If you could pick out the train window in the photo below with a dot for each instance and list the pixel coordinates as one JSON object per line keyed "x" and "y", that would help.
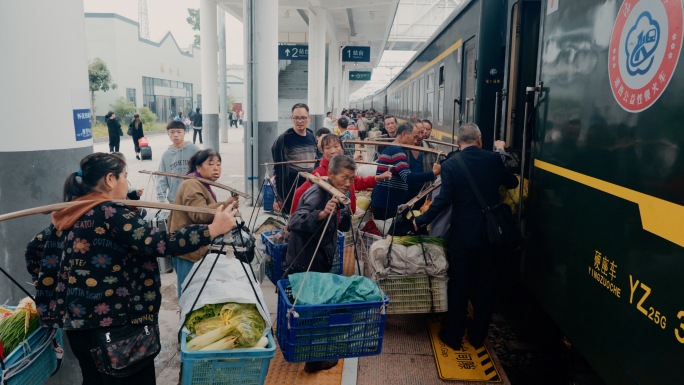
{"x": 421, "y": 96}
{"x": 441, "y": 75}
{"x": 430, "y": 95}
{"x": 440, "y": 106}
{"x": 410, "y": 99}
{"x": 440, "y": 96}
{"x": 416, "y": 110}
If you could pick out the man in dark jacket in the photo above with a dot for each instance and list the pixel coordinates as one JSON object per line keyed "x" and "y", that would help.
{"x": 473, "y": 262}
{"x": 307, "y": 226}
{"x": 296, "y": 143}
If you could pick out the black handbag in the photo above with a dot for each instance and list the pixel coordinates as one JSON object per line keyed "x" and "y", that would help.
{"x": 130, "y": 131}
{"x": 501, "y": 229}
{"x": 123, "y": 350}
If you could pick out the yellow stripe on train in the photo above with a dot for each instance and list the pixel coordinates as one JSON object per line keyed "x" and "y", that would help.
{"x": 660, "y": 217}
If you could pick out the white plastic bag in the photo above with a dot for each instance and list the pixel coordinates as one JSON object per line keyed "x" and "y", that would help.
{"x": 227, "y": 283}
{"x": 405, "y": 260}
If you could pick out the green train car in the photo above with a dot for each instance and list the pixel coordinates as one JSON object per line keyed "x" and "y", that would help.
{"x": 590, "y": 97}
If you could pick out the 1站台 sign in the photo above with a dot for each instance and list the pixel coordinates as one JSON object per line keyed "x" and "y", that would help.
{"x": 293, "y": 52}
{"x": 356, "y": 54}
{"x": 359, "y": 75}
{"x": 643, "y": 52}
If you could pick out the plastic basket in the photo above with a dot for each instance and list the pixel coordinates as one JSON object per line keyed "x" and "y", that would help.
{"x": 331, "y": 331}
{"x": 415, "y": 294}
{"x": 229, "y": 367}
{"x": 364, "y": 241}
{"x": 277, "y": 264}
{"x": 35, "y": 363}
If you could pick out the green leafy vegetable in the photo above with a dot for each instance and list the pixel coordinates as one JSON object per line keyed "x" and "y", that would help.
{"x": 244, "y": 324}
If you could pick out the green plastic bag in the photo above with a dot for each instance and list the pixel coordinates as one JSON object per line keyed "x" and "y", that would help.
{"x": 327, "y": 288}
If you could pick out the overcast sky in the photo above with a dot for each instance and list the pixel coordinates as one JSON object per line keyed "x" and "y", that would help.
{"x": 170, "y": 15}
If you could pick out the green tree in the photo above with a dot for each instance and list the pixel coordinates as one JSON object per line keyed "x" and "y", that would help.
{"x": 148, "y": 117}
{"x": 194, "y": 20}
{"x": 100, "y": 79}
{"x": 230, "y": 101}
{"x": 122, "y": 108}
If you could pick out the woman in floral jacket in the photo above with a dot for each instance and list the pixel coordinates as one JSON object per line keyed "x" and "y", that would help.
{"x": 95, "y": 266}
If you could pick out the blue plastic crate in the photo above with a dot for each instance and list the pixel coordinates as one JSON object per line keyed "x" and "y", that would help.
{"x": 331, "y": 331}
{"x": 35, "y": 363}
{"x": 278, "y": 252}
{"x": 226, "y": 367}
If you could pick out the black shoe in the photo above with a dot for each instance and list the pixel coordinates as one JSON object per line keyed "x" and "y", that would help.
{"x": 452, "y": 342}
{"x": 137, "y": 156}
{"x": 317, "y": 366}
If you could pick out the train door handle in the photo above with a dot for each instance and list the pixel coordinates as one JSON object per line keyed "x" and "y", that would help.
{"x": 468, "y": 103}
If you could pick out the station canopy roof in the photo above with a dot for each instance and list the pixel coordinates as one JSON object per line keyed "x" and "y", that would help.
{"x": 394, "y": 29}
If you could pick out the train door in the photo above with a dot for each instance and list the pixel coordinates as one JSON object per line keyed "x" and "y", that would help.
{"x": 468, "y": 85}
{"x": 522, "y": 74}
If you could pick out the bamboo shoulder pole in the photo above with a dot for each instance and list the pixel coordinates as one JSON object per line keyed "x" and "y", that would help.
{"x": 327, "y": 187}
{"x": 406, "y": 146}
{"x": 420, "y": 196}
{"x": 207, "y": 181}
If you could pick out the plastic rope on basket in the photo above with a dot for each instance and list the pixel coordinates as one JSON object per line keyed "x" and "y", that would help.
{"x": 291, "y": 311}
{"x": 30, "y": 356}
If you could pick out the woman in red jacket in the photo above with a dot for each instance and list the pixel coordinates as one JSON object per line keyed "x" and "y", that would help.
{"x": 332, "y": 145}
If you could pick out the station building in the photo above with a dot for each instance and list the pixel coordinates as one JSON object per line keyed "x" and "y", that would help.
{"x": 161, "y": 76}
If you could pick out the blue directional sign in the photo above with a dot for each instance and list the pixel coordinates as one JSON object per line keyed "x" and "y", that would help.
{"x": 359, "y": 75}
{"x": 356, "y": 53}
{"x": 293, "y": 52}
{"x": 82, "y": 124}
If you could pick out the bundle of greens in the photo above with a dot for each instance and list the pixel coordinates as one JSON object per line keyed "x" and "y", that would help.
{"x": 226, "y": 326}
{"x": 410, "y": 240}
{"x": 17, "y": 326}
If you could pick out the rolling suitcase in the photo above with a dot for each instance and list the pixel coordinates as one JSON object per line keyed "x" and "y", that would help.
{"x": 146, "y": 153}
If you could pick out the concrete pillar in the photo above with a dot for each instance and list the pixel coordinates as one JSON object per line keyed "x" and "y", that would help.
{"x": 317, "y": 27}
{"x": 210, "y": 100}
{"x": 334, "y": 79}
{"x": 344, "y": 89}
{"x": 223, "y": 98}
{"x": 47, "y": 131}
{"x": 261, "y": 127}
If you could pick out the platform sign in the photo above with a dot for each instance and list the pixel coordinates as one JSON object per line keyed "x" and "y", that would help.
{"x": 356, "y": 53}
{"x": 359, "y": 75}
{"x": 82, "y": 124}
{"x": 293, "y": 52}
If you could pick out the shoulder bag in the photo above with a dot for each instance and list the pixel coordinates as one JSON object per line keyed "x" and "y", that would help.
{"x": 500, "y": 225}
{"x": 123, "y": 350}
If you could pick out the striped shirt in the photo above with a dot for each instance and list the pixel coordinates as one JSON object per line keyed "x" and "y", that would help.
{"x": 390, "y": 194}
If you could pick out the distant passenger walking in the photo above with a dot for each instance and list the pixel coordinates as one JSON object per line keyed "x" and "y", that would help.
{"x": 197, "y": 125}
{"x": 233, "y": 119}
{"x": 114, "y": 131}
{"x": 136, "y": 132}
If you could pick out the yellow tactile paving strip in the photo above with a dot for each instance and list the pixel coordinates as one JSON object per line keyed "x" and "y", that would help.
{"x": 465, "y": 364}
{"x": 281, "y": 372}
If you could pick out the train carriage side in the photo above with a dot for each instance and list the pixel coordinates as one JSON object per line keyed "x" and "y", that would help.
{"x": 606, "y": 205}
{"x": 456, "y": 75}
{"x": 379, "y": 101}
